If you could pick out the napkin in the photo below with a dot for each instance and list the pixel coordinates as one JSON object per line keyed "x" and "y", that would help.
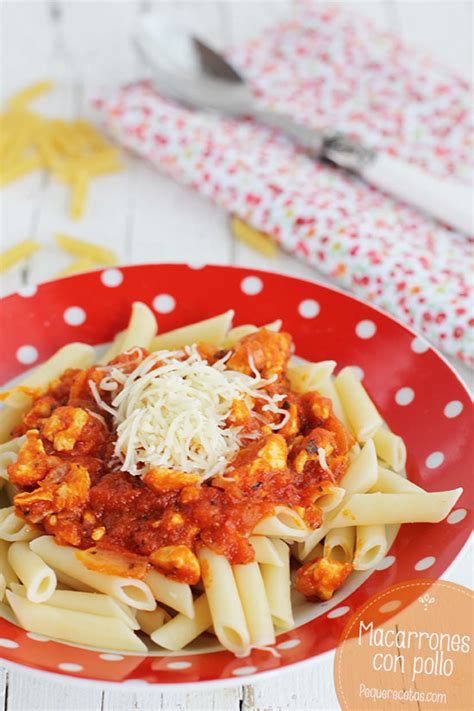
{"x": 331, "y": 67}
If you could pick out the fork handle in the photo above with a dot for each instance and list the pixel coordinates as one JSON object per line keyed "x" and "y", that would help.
{"x": 446, "y": 200}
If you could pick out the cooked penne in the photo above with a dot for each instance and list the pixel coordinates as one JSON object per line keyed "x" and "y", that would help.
{"x": 277, "y": 586}
{"x": 361, "y": 412}
{"x": 8, "y": 455}
{"x": 224, "y": 602}
{"x": 285, "y": 523}
{"x": 362, "y": 472}
{"x": 265, "y": 551}
{"x": 390, "y": 449}
{"x": 254, "y": 601}
{"x": 151, "y": 621}
{"x": 339, "y": 544}
{"x": 371, "y": 546}
{"x": 326, "y": 388}
{"x": 331, "y": 498}
{"x": 371, "y": 509}
{"x": 181, "y": 630}
{"x": 306, "y": 546}
{"x": 211, "y": 330}
{"x": 130, "y": 591}
{"x": 113, "y": 350}
{"x": 5, "y": 567}
{"x": 73, "y": 626}
{"x": 176, "y": 595}
{"x": 316, "y": 552}
{"x": 141, "y": 328}
{"x": 3, "y": 586}
{"x": 390, "y": 483}
{"x": 306, "y": 377}
{"x": 14, "y": 528}
{"x": 37, "y": 577}
{"x": 11, "y": 417}
{"x": 238, "y": 332}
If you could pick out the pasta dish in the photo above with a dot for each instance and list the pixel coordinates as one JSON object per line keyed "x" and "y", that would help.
{"x": 182, "y": 484}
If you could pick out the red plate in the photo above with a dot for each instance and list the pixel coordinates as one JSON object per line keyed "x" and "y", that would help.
{"x": 416, "y": 391}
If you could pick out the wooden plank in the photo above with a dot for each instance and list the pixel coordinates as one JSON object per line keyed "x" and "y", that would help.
{"x": 28, "y": 693}
{"x": 219, "y": 700}
{"x": 3, "y": 688}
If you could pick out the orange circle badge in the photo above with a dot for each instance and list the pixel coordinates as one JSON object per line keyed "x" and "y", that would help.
{"x": 409, "y": 647}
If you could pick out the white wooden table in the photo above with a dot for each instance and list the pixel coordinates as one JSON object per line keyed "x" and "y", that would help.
{"x": 146, "y": 217}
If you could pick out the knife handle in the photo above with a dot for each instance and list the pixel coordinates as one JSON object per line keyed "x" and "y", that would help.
{"x": 448, "y": 201}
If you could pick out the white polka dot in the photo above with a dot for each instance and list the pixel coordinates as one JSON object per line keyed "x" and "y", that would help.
{"x": 179, "y": 665}
{"x": 111, "y": 277}
{"x": 111, "y": 657}
{"x": 28, "y": 291}
{"x": 196, "y": 265}
{"x": 338, "y": 612}
{"x": 404, "y": 396}
{"x": 453, "y": 408}
{"x": 419, "y": 345}
{"x": 37, "y": 637}
{"x": 66, "y": 666}
{"x": 385, "y": 562}
{"x": 289, "y": 644}
{"x": 74, "y": 316}
{"x": 309, "y": 308}
{"x": 358, "y": 372}
{"x": 244, "y": 670}
{"x": 425, "y": 563}
{"x": 8, "y": 643}
{"x": 365, "y": 329}
{"x": 434, "y": 460}
{"x": 457, "y": 516}
{"x": 164, "y": 303}
{"x": 390, "y": 606}
{"x": 251, "y": 285}
{"x": 27, "y": 354}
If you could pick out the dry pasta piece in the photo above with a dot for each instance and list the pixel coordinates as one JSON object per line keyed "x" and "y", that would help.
{"x": 15, "y": 254}
{"x": 82, "y": 248}
{"x": 80, "y": 188}
{"x": 256, "y": 240}
{"x": 23, "y": 97}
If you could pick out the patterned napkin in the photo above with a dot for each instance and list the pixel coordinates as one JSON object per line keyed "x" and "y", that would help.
{"x": 329, "y": 67}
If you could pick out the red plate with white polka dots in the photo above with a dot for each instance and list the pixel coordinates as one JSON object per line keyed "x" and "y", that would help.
{"x": 417, "y": 392}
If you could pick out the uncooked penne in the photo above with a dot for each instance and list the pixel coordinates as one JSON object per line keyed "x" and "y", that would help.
{"x": 390, "y": 449}
{"x": 390, "y": 483}
{"x": 181, "y": 630}
{"x": 362, "y": 472}
{"x": 371, "y": 546}
{"x": 211, "y": 330}
{"x": 141, "y": 328}
{"x": 284, "y": 523}
{"x": 339, "y": 544}
{"x": 277, "y": 586}
{"x": 254, "y": 601}
{"x": 131, "y": 591}
{"x": 307, "y": 376}
{"x": 223, "y": 597}
{"x": 73, "y": 626}
{"x": 37, "y": 577}
{"x": 265, "y": 551}
{"x": 15, "y": 528}
{"x": 361, "y": 412}
{"x": 176, "y": 595}
{"x": 371, "y": 509}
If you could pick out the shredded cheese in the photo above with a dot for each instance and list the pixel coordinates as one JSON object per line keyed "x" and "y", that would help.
{"x": 322, "y": 460}
{"x": 172, "y": 411}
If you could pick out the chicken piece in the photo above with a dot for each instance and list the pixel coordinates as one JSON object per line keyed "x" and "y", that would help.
{"x": 178, "y": 562}
{"x": 32, "y": 464}
{"x": 239, "y": 414}
{"x": 271, "y": 452}
{"x": 39, "y": 413}
{"x": 307, "y": 449}
{"x": 292, "y": 426}
{"x": 65, "y": 426}
{"x": 321, "y": 577}
{"x": 315, "y": 409}
{"x": 65, "y": 488}
{"x": 269, "y": 352}
{"x": 64, "y": 527}
{"x": 161, "y": 479}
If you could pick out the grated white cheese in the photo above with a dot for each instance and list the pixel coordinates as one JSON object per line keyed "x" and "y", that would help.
{"x": 171, "y": 411}
{"x": 322, "y": 460}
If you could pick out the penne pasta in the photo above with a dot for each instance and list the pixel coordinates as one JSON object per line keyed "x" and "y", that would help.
{"x": 211, "y": 330}
{"x": 361, "y": 412}
{"x": 113, "y": 350}
{"x": 371, "y": 546}
{"x": 277, "y": 586}
{"x": 316, "y": 552}
{"x": 73, "y": 626}
{"x": 330, "y": 499}
{"x": 339, "y": 544}
{"x": 176, "y": 595}
{"x": 371, "y": 509}
{"x": 130, "y": 591}
{"x": 181, "y": 630}
{"x": 306, "y": 377}
{"x": 3, "y": 586}
{"x": 5, "y": 567}
{"x": 11, "y": 417}
{"x": 259, "y": 241}
{"x": 390, "y": 483}
{"x": 238, "y": 332}
{"x": 265, "y": 551}
{"x": 362, "y": 472}
{"x": 141, "y": 328}
{"x": 255, "y": 605}
{"x": 88, "y": 250}
{"x": 390, "y": 449}
{"x": 326, "y": 388}
{"x": 37, "y": 577}
{"x": 224, "y": 602}
{"x": 306, "y": 546}
{"x": 14, "y": 528}
{"x": 284, "y": 523}
{"x": 151, "y": 621}
{"x": 15, "y": 254}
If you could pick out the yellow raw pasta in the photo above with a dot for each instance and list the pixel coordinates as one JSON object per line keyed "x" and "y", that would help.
{"x": 15, "y": 254}
{"x": 88, "y": 250}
